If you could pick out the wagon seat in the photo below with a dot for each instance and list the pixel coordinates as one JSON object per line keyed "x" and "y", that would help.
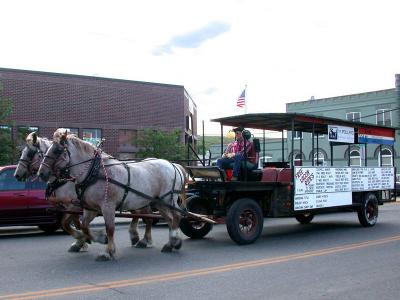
{"x": 249, "y": 169}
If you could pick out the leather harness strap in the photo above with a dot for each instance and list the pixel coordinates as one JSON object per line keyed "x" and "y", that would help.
{"x": 120, "y": 205}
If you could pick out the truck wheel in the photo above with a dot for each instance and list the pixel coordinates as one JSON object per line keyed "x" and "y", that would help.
{"x": 244, "y": 221}
{"x": 368, "y": 212}
{"x": 193, "y": 228}
{"x": 304, "y": 218}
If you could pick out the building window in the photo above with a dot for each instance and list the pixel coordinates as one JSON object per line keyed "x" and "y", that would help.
{"x": 127, "y": 140}
{"x": 189, "y": 122}
{"x": 297, "y": 159}
{"x": 5, "y": 130}
{"x": 355, "y": 158}
{"x": 72, "y": 130}
{"x": 353, "y": 116}
{"x": 319, "y": 159}
{"x": 297, "y": 135}
{"x": 92, "y": 136}
{"x": 383, "y": 117}
{"x": 387, "y": 159}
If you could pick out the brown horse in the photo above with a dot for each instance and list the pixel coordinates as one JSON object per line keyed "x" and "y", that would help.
{"x": 116, "y": 186}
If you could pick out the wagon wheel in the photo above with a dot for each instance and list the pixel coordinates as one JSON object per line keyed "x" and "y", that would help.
{"x": 368, "y": 212}
{"x": 193, "y": 228}
{"x": 304, "y": 218}
{"x": 244, "y": 221}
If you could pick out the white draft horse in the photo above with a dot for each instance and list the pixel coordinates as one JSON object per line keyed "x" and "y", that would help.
{"x": 65, "y": 194}
{"x": 28, "y": 165}
{"x": 115, "y": 185}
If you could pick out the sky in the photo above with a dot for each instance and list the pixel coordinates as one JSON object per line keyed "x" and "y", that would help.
{"x": 283, "y": 51}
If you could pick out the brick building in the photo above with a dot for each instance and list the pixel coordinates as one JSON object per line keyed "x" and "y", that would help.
{"x": 95, "y": 107}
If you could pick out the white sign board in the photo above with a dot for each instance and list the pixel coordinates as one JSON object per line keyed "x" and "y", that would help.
{"x": 341, "y": 134}
{"x": 317, "y": 187}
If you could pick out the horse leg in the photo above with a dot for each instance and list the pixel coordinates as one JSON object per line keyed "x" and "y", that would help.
{"x": 87, "y": 235}
{"x": 133, "y": 233}
{"x": 109, "y": 220}
{"x": 146, "y": 241}
{"x": 172, "y": 219}
{"x": 67, "y": 220}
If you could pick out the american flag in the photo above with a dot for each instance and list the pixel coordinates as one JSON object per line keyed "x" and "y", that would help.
{"x": 241, "y": 101}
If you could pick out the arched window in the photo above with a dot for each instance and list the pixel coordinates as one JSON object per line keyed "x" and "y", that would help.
{"x": 355, "y": 158}
{"x": 387, "y": 159}
{"x": 319, "y": 158}
{"x": 297, "y": 159}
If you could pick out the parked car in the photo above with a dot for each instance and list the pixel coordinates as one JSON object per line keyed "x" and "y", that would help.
{"x": 23, "y": 203}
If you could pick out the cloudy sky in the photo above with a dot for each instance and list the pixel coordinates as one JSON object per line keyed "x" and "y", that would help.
{"x": 284, "y": 51}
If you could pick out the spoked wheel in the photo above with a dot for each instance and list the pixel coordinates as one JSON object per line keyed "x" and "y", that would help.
{"x": 304, "y": 218}
{"x": 244, "y": 221}
{"x": 368, "y": 212}
{"x": 193, "y": 228}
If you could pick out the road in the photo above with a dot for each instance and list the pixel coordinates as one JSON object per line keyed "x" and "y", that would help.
{"x": 331, "y": 258}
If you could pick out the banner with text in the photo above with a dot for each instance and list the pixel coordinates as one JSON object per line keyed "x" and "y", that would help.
{"x": 317, "y": 187}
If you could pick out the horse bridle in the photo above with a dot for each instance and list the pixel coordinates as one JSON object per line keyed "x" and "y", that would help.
{"x": 29, "y": 163}
{"x": 64, "y": 172}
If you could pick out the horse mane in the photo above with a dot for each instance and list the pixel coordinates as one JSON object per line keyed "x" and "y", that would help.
{"x": 29, "y": 140}
{"x": 81, "y": 145}
{"x": 78, "y": 143}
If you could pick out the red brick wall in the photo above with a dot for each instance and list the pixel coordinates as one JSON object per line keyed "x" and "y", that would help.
{"x": 50, "y": 101}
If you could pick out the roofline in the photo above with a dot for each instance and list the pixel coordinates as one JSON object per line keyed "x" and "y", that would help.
{"x": 232, "y": 120}
{"x": 86, "y": 77}
{"x": 337, "y": 97}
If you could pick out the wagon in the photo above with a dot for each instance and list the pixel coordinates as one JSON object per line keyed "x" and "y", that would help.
{"x": 298, "y": 189}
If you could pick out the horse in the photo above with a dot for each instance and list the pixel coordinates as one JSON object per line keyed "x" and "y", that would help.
{"x": 65, "y": 194}
{"x": 107, "y": 185}
{"x": 28, "y": 165}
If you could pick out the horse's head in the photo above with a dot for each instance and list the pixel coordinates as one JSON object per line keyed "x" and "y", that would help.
{"x": 31, "y": 156}
{"x": 67, "y": 151}
{"x": 57, "y": 156}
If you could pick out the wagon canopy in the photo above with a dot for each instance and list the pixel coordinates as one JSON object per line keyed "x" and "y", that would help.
{"x": 305, "y": 123}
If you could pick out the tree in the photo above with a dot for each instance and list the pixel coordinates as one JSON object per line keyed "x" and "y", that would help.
{"x": 161, "y": 144}
{"x": 6, "y": 144}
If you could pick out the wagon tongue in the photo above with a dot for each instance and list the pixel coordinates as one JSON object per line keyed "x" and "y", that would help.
{"x": 200, "y": 217}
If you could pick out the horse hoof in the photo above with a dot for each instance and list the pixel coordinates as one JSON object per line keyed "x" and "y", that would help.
{"x": 74, "y": 248}
{"x": 178, "y": 245}
{"x": 134, "y": 241}
{"x": 104, "y": 257}
{"x": 166, "y": 249}
{"x": 141, "y": 244}
{"x": 84, "y": 248}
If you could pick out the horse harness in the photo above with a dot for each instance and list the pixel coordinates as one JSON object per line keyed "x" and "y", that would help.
{"x": 31, "y": 154}
{"x": 93, "y": 175}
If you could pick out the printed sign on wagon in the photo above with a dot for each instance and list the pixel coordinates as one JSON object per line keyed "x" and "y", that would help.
{"x": 340, "y": 134}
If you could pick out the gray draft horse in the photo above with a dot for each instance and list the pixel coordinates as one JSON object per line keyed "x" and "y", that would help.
{"x": 117, "y": 185}
{"x": 29, "y": 162}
